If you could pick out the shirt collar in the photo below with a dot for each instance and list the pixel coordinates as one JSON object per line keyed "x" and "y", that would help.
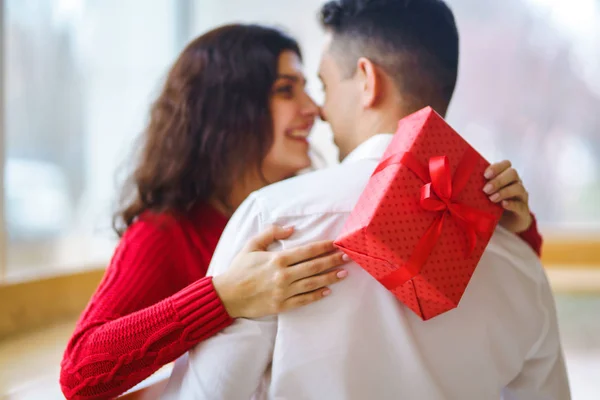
{"x": 372, "y": 148}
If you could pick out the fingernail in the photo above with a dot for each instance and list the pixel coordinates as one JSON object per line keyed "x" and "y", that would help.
{"x": 488, "y": 174}
{"x": 495, "y": 197}
{"x": 288, "y": 228}
{"x": 345, "y": 257}
{"x": 342, "y": 274}
{"x": 488, "y": 188}
{"x": 326, "y": 292}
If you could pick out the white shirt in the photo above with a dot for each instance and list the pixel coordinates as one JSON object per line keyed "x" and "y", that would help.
{"x": 361, "y": 343}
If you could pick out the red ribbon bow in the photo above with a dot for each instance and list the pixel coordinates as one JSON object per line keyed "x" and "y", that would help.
{"x": 440, "y": 195}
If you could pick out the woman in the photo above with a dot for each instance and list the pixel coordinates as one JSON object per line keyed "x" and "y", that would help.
{"x": 227, "y": 123}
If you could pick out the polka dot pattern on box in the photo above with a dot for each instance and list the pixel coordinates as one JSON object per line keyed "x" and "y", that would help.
{"x": 388, "y": 221}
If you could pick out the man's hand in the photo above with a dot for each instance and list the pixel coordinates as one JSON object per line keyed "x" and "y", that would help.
{"x": 505, "y": 187}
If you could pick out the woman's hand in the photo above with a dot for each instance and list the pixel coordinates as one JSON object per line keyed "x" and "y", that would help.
{"x": 261, "y": 283}
{"x": 505, "y": 187}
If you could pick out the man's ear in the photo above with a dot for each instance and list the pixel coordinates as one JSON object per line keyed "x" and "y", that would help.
{"x": 369, "y": 81}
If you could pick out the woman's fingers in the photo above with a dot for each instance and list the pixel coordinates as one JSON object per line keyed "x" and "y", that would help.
{"x": 301, "y": 282}
{"x": 516, "y": 206}
{"x": 264, "y": 239}
{"x": 305, "y": 299}
{"x": 262, "y": 283}
{"x": 515, "y": 191}
{"x": 505, "y": 178}
{"x": 316, "y": 282}
{"x": 314, "y": 267}
{"x": 306, "y": 252}
{"x": 493, "y": 170}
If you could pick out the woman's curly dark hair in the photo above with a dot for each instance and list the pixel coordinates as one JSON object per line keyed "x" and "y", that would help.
{"x": 210, "y": 122}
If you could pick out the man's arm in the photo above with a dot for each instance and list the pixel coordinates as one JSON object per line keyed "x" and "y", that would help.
{"x": 544, "y": 374}
{"x": 231, "y": 364}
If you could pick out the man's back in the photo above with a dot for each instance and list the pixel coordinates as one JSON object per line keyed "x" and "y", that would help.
{"x": 361, "y": 343}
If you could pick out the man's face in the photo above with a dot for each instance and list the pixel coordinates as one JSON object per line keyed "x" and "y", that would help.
{"x": 341, "y": 106}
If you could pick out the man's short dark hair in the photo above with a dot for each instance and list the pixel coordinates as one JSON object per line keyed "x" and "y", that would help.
{"x": 414, "y": 41}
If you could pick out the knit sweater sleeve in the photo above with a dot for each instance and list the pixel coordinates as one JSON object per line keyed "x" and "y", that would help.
{"x": 135, "y": 322}
{"x": 533, "y": 237}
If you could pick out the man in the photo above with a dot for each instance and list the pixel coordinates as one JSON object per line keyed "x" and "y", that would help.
{"x": 383, "y": 61}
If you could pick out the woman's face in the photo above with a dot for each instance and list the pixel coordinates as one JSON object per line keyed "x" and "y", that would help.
{"x": 293, "y": 113}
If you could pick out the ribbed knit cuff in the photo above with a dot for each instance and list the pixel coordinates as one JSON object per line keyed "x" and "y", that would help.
{"x": 533, "y": 237}
{"x": 201, "y": 309}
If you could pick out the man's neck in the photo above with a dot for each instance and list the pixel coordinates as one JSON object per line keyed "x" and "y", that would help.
{"x": 386, "y": 121}
{"x": 377, "y": 122}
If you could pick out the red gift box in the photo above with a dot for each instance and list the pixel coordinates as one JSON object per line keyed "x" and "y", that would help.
{"x": 423, "y": 220}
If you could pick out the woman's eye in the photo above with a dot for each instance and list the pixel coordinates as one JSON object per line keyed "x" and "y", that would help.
{"x": 285, "y": 90}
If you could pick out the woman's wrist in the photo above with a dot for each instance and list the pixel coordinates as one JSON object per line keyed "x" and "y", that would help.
{"x": 228, "y": 293}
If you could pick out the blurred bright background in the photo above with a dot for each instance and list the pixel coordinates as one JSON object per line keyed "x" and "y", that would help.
{"x": 79, "y": 76}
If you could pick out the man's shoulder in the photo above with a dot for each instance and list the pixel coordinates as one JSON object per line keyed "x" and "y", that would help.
{"x": 335, "y": 188}
{"x": 513, "y": 259}
{"x": 303, "y": 181}
{"x": 511, "y": 247}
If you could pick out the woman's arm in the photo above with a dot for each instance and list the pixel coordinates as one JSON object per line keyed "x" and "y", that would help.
{"x": 135, "y": 323}
{"x": 533, "y": 237}
{"x": 506, "y": 188}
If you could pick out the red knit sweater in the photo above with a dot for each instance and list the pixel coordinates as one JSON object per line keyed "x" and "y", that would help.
{"x": 153, "y": 304}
